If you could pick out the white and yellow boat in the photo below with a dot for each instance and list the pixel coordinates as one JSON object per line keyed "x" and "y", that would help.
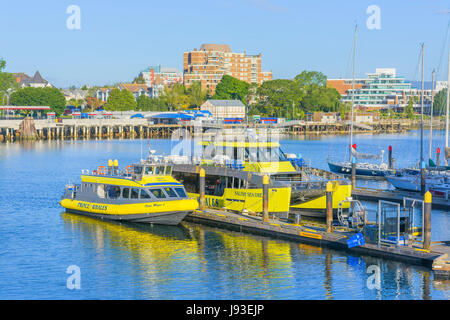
{"x": 231, "y": 170}
{"x": 144, "y": 192}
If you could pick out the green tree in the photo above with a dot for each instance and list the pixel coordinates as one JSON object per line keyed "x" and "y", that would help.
{"x": 175, "y": 97}
{"x": 231, "y": 88}
{"x": 145, "y": 103}
{"x": 440, "y": 102}
{"x": 75, "y": 102}
{"x": 139, "y": 79}
{"x": 196, "y": 95}
{"x": 279, "y": 97}
{"x": 409, "y": 109}
{"x": 120, "y": 100}
{"x": 7, "y": 81}
{"x": 318, "y": 97}
{"x": 47, "y": 96}
{"x": 309, "y": 78}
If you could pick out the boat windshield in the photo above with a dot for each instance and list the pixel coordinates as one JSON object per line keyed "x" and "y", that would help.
{"x": 250, "y": 154}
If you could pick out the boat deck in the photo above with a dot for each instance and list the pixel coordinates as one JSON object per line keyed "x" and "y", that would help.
{"x": 370, "y": 194}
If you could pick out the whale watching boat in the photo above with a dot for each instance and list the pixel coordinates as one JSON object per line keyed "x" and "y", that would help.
{"x": 143, "y": 192}
{"x": 234, "y": 173}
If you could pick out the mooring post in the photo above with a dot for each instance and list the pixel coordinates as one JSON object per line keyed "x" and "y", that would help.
{"x": 438, "y": 157}
{"x": 116, "y": 167}
{"x": 427, "y": 221}
{"x": 110, "y": 166}
{"x": 265, "y": 198}
{"x": 329, "y": 194}
{"x": 390, "y": 157}
{"x": 353, "y": 173}
{"x": 202, "y": 189}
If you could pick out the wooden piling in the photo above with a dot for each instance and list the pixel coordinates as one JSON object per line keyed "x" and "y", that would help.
{"x": 329, "y": 198}
{"x": 265, "y": 198}
{"x": 427, "y": 221}
{"x": 438, "y": 157}
{"x": 202, "y": 189}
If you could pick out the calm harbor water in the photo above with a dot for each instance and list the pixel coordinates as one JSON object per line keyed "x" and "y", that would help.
{"x": 122, "y": 261}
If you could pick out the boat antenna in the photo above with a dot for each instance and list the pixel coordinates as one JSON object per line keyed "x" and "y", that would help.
{"x": 447, "y": 109}
{"x": 353, "y": 91}
{"x": 431, "y": 111}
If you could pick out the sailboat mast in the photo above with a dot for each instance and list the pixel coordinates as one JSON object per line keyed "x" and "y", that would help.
{"x": 421, "y": 113}
{"x": 353, "y": 92}
{"x": 422, "y": 168}
{"x": 447, "y": 109}
{"x": 431, "y": 112}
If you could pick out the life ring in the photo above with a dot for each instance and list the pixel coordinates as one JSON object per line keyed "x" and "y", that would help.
{"x": 101, "y": 170}
{"x": 128, "y": 167}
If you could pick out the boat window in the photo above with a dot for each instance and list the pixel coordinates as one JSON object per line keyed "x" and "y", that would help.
{"x": 170, "y": 192}
{"x": 181, "y": 192}
{"x": 158, "y": 193}
{"x": 113, "y": 192}
{"x": 101, "y": 191}
{"x": 149, "y": 170}
{"x": 159, "y": 170}
{"x": 126, "y": 193}
{"x": 168, "y": 170}
{"x": 134, "y": 193}
{"x": 144, "y": 194}
{"x": 137, "y": 169}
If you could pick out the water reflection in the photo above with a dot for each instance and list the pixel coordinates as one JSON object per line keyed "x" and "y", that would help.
{"x": 197, "y": 262}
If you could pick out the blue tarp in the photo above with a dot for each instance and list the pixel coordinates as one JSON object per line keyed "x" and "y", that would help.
{"x": 181, "y": 116}
{"x": 137, "y": 115}
{"x": 356, "y": 240}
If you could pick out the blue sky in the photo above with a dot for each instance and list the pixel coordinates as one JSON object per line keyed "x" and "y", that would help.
{"x": 117, "y": 39}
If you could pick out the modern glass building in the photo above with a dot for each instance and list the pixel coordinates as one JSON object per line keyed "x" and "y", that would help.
{"x": 382, "y": 89}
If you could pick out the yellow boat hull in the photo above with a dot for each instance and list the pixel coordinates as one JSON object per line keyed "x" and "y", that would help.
{"x": 250, "y": 200}
{"x": 340, "y": 192}
{"x": 163, "y": 212}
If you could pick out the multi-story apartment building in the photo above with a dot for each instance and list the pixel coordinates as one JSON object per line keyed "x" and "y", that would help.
{"x": 166, "y": 76}
{"x": 212, "y": 61}
{"x": 135, "y": 88}
{"x": 380, "y": 90}
{"x": 157, "y": 78}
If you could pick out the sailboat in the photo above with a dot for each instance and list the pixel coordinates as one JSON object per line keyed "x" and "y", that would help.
{"x": 362, "y": 168}
{"x": 420, "y": 180}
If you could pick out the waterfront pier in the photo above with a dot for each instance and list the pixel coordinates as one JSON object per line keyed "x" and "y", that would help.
{"x": 137, "y": 128}
{"x": 84, "y": 129}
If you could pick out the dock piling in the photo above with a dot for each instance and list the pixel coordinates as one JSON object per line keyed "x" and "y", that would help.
{"x": 202, "y": 189}
{"x": 438, "y": 157}
{"x": 329, "y": 196}
{"x": 390, "y": 157}
{"x": 265, "y": 198}
{"x": 427, "y": 221}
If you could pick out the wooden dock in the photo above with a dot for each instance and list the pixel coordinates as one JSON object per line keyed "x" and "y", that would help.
{"x": 397, "y": 196}
{"x": 74, "y": 129}
{"x": 315, "y": 234}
